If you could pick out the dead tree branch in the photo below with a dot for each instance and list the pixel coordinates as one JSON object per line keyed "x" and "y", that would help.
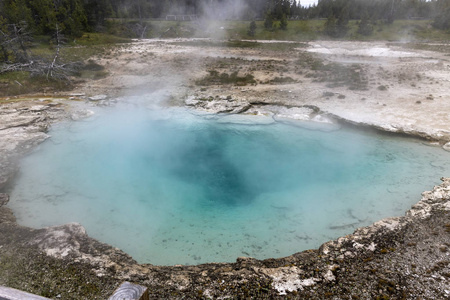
{"x": 16, "y": 57}
{"x": 58, "y": 47}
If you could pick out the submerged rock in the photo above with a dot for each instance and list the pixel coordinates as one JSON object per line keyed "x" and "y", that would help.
{"x": 447, "y": 147}
{"x": 81, "y": 114}
{"x": 246, "y": 119}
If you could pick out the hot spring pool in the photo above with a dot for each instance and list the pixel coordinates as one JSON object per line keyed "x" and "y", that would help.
{"x": 171, "y": 186}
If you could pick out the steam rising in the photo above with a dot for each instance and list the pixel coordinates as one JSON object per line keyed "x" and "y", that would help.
{"x": 225, "y": 10}
{"x": 172, "y": 186}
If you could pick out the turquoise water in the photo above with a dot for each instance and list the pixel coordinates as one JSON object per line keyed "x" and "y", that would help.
{"x": 171, "y": 186}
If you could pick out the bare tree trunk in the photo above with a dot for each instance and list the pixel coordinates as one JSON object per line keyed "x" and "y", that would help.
{"x": 58, "y": 46}
{"x": 143, "y": 32}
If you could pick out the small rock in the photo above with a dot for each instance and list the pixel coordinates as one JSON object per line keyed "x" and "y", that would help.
{"x": 447, "y": 147}
{"x": 443, "y": 248}
{"x": 6, "y": 216}
{"x": 191, "y": 101}
{"x": 329, "y": 276}
{"x": 81, "y": 114}
{"x": 349, "y": 254}
{"x": 245, "y": 262}
{"x": 37, "y": 108}
{"x": 4, "y": 199}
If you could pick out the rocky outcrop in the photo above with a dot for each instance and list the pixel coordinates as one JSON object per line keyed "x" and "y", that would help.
{"x": 440, "y": 136}
{"x": 21, "y": 129}
{"x": 24, "y": 125}
{"x": 219, "y": 104}
{"x": 307, "y": 116}
{"x": 283, "y": 111}
{"x": 70, "y": 241}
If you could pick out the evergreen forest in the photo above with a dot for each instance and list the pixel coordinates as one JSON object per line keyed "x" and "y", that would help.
{"x": 73, "y": 17}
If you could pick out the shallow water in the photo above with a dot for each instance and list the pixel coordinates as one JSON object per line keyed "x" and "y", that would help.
{"x": 171, "y": 186}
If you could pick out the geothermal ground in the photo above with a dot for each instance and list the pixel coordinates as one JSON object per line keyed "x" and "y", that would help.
{"x": 396, "y": 87}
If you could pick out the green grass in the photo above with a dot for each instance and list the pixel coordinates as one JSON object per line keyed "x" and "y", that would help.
{"x": 96, "y": 39}
{"x": 297, "y": 30}
{"x": 243, "y": 44}
{"x": 20, "y": 82}
{"x": 82, "y": 48}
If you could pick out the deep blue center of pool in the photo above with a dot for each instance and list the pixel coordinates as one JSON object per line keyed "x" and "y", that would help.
{"x": 170, "y": 186}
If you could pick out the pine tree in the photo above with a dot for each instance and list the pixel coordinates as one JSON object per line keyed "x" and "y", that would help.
{"x": 330, "y": 26}
{"x": 365, "y": 28}
{"x": 342, "y": 22}
{"x": 283, "y": 22}
{"x": 16, "y": 11}
{"x": 4, "y": 34}
{"x": 442, "y": 19}
{"x": 252, "y": 29}
{"x": 268, "y": 21}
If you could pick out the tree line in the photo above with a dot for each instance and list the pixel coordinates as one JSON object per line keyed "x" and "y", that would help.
{"x": 75, "y": 16}
{"x": 21, "y": 19}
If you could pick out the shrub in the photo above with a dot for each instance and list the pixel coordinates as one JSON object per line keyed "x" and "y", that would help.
{"x": 365, "y": 28}
{"x": 283, "y": 22}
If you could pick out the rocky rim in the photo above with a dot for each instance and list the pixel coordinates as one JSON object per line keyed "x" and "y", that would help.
{"x": 396, "y": 258}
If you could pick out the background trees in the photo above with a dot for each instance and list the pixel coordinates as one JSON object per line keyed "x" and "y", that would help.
{"x": 442, "y": 18}
{"x": 73, "y": 17}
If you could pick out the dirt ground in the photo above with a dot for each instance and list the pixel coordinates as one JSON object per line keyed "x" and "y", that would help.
{"x": 398, "y": 87}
